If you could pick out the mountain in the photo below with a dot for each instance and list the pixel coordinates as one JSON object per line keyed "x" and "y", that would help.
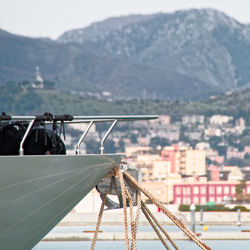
{"x": 75, "y": 68}
{"x": 204, "y": 44}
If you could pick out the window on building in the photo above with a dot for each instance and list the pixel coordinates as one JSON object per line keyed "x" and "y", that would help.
{"x": 219, "y": 199}
{"x": 203, "y": 200}
{"x": 203, "y": 190}
{"x": 211, "y": 198}
{"x": 211, "y": 190}
{"x": 196, "y": 200}
{"x": 196, "y": 190}
{"x": 233, "y": 190}
{"x": 219, "y": 190}
{"x": 226, "y": 190}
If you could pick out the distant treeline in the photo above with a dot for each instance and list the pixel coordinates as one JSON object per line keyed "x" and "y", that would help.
{"x": 22, "y": 98}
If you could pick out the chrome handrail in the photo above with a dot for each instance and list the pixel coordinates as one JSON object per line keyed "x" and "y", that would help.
{"x": 106, "y": 135}
{"x": 82, "y": 137}
{"x": 25, "y": 136}
{"x": 95, "y": 118}
{"x": 83, "y": 119}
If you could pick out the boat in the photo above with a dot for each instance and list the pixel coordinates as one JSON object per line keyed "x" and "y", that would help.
{"x": 37, "y": 191}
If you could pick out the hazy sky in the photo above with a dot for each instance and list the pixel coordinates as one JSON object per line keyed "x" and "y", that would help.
{"x": 52, "y": 17}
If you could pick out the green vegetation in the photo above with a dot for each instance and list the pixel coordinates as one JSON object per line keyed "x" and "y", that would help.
{"x": 237, "y": 162}
{"x": 155, "y": 141}
{"x": 216, "y": 207}
{"x": 239, "y": 192}
{"x": 15, "y": 98}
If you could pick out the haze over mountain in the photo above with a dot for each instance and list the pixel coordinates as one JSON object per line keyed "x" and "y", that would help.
{"x": 75, "y": 68}
{"x": 205, "y": 44}
{"x": 185, "y": 55}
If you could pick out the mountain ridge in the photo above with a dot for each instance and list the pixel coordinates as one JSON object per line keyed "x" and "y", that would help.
{"x": 75, "y": 68}
{"x": 189, "y": 55}
{"x": 192, "y": 42}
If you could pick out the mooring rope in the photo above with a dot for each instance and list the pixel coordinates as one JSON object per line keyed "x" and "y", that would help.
{"x": 99, "y": 220}
{"x": 176, "y": 221}
{"x": 155, "y": 228}
{"x": 150, "y": 217}
{"x": 137, "y": 216}
{"x": 157, "y": 223}
{"x": 133, "y": 232}
{"x": 120, "y": 176}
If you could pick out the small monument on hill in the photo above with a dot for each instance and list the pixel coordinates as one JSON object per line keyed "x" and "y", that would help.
{"x": 38, "y": 84}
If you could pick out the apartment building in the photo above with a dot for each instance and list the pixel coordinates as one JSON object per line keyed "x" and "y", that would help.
{"x": 185, "y": 160}
{"x": 201, "y": 193}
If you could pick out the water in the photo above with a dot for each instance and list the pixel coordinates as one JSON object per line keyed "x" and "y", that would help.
{"x": 150, "y": 245}
{"x": 145, "y": 245}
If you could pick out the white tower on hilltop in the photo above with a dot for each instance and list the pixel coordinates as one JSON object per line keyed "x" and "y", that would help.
{"x": 39, "y": 79}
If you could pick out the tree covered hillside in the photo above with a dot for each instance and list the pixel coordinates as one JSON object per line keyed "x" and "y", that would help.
{"x": 22, "y": 99}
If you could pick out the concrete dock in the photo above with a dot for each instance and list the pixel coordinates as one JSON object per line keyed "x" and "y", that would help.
{"x": 119, "y": 236}
{"x": 115, "y": 218}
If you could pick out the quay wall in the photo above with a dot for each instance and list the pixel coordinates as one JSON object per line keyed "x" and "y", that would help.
{"x": 115, "y": 217}
{"x": 86, "y": 213}
{"x": 144, "y": 236}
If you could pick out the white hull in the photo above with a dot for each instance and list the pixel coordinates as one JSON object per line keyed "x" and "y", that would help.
{"x": 36, "y": 192}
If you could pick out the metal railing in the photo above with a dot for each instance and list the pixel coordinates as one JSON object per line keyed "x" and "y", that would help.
{"x": 75, "y": 119}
